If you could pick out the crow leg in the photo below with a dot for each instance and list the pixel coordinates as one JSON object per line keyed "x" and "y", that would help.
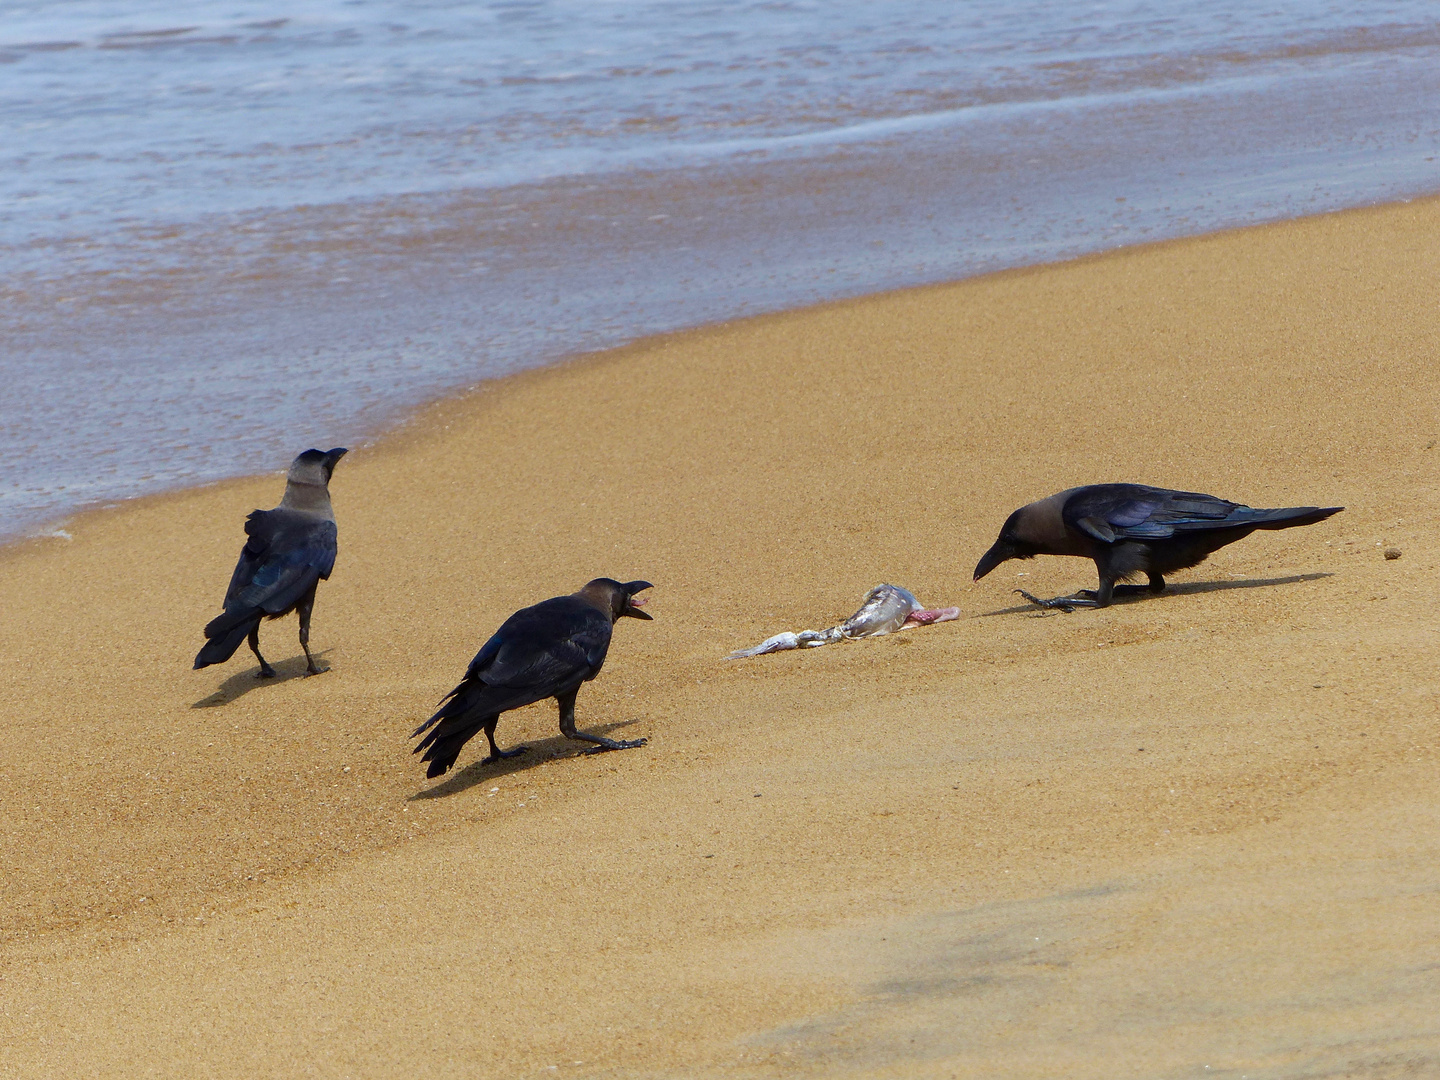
{"x": 1137, "y": 590}
{"x": 266, "y": 671}
{"x": 566, "y": 702}
{"x": 1097, "y": 598}
{"x": 305, "y": 606}
{"x": 496, "y": 754}
{"x": 1157, "y": 585}
{"x": 1083, "y": 598}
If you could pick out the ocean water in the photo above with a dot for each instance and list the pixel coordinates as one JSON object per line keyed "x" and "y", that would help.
{"x": 231, "y": 229}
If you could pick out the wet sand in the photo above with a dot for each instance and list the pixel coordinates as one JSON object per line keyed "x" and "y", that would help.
{"x": 1193, "y": 835}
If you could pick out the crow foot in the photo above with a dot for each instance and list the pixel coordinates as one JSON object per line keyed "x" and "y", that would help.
{"x": 603, "y": 744}
{"x": 1084, "y": 598}
{"x": 1139, "y": 590}
{"x": 265, "y": 672}
{"x": 311, "y": 669}
{"x": 500, "y": 755}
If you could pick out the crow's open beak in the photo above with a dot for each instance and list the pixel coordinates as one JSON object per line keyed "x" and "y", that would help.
{"x": 634, "y": 604}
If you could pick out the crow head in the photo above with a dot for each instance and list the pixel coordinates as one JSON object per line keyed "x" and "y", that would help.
{"x": 617, "y": 597}
{"x": 1010, "y": 545}
{"x": 315, "y": 466}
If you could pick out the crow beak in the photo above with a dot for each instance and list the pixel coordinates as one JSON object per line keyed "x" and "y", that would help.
{"x": 632, "y": 604}
{"x": 332, "y": 456}
{"x": 993, "y": 558}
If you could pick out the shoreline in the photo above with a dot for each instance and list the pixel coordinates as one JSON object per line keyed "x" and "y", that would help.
{"x": 1191, "y": 830}
{"x": 397, "y": 428}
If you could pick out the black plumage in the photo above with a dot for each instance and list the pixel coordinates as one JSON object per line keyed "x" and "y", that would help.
{"x": 1132, "y": 529}
{"x": 543, "y": 651}
{"x": 288, "y": 551}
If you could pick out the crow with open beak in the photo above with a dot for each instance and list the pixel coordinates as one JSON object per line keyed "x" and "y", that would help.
{"x": 1131, "y": 529}
{"x": 539, "y": 652}
{"x": 289, "y": 551}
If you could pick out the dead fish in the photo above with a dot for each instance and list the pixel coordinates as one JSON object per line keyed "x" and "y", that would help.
{"x": 887, "y": 608}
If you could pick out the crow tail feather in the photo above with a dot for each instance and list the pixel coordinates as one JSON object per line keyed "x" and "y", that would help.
{"x": 1290, "y": 516}
{"x": 225, "y": 634}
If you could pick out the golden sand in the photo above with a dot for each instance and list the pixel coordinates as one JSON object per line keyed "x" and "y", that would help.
{"x": 1197, "y": 835}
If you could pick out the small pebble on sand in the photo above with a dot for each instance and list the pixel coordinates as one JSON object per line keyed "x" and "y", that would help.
{"x": 1392, "y": 553}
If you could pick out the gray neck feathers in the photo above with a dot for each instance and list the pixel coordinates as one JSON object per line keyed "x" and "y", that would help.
{"x": 601, "y": 598}
{"x": 306, "y": 498}
{"x": 1044, "y": 521}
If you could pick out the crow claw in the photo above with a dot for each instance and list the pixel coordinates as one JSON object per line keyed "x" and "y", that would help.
{"x": 615, "y": 744}
{"x": 500, "y": 755}
{"x": 1059, "y": 603}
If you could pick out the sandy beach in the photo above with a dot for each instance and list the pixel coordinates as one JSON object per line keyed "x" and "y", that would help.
{"x": 1188, "y": 836}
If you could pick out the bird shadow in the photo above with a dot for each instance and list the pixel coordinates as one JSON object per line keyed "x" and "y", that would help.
{"x": 1184, "y": 588}
{"x": 243, "y": 682}
{"x": 538, "y": 752}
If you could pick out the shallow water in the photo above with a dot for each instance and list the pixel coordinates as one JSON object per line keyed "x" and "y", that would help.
{"x": 275, "y": 224}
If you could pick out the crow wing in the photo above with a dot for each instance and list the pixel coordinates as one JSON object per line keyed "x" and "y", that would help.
{"x": 285, "y": 555}
{"x": 1113, "y": 512}
{"x": 537, "y": 653}
{"x": 554, "y": 643}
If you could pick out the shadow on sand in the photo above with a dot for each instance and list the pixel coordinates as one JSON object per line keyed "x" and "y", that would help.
{"x": 539, "y": 752}
{"x": 1184, "y": 588}
{"x": 240, "y": 684}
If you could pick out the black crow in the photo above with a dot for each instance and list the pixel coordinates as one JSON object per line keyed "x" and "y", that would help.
{"x": 290, "y": 550}
{"x": 1131, "y": 529}
{"x": 543, "y": 651}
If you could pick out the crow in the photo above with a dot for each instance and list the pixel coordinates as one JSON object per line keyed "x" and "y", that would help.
{"x": 539, "y": 652}
{"x": 290, "y": 550}
{"x": 1131, "y": 529}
